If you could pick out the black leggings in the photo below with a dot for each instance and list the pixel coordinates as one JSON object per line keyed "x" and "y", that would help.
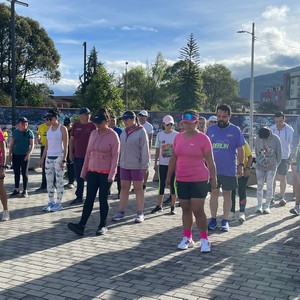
{"x": 162, "y": 176}
{"x": 96, "y": 181}
{"x": 19, "y": 164}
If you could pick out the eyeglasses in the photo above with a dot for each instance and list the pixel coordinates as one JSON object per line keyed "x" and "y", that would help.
{"x": 170, "y": 124}
{"x": 189, "y": 117}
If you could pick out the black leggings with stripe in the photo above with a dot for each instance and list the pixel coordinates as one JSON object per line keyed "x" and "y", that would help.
{"x": 162, "y": 176}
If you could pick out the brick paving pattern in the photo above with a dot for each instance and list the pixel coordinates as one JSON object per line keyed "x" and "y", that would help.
{"x": 41, "y": 259}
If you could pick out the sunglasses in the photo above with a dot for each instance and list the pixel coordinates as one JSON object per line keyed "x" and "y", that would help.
{"x": 170, "y": 124}
{"x": 213, "y": 122}
{"x": 48, "y": 119}
{"x": 189, "y": 117}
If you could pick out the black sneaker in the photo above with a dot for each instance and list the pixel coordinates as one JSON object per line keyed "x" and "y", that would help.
{"x": 101, "y": 231}
{"x": 77, "y": 228}
{"x": 76, "y": 201}
{"x": 14, "y": 193}
{"x": 173, "y": 210}
{"x": 156, "y": 210}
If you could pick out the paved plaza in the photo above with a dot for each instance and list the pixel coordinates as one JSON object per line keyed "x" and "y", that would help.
{"x": 41, "y": 259}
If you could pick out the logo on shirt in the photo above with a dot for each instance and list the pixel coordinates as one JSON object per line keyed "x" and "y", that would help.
{"x": 220, "y": 145}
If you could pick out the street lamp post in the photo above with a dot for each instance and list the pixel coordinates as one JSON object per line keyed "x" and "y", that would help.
{"x": 13, "y": 59}
{"x": 84, "y": 62}
{"x": 251, "y": 137}
{"x": 126, "y": 85}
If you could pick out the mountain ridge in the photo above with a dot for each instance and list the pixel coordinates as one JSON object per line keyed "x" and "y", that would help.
{"x": 262, "y": 82}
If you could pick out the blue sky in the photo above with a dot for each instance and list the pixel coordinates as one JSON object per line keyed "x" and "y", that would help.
{"x": 136, "y": 30}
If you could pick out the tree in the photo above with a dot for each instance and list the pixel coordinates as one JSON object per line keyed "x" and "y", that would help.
{"x": 36, "y": 55}
{"x": 33, "y": 94}
{"x": 101, "y": 92}
{"x": 145, "y": 85}
{"x": 188, "y": 83}
{"x": 218, "y": 85}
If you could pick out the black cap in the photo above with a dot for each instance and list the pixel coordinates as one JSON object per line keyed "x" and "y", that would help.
{"x": 67, "y": 121}
{"x": 129, "y": 114}
{"x": 22, "y": 120}
{"x": 84, "y": 111}
{"x": 99, "y": 119}
{"x": 49, "y": 115}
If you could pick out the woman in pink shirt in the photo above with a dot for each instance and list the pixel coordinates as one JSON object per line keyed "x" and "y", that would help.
{"x": 193, "y": 163}
{"x": 99, "y": 169}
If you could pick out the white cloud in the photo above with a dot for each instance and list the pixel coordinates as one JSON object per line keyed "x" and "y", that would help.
{"x": 275, "y": 13}
{"x": 139, "y": 28}
{"x": 68, "y": 42}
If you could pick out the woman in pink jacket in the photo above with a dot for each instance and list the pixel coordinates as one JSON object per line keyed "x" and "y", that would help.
{"x": 99, "y": 169}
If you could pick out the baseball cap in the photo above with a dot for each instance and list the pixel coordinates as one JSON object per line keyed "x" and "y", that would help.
{"x": 67, "y": 121}
{"x": 84, "y": 111}
{"x": 143, "y": 113}
{"x": 22, "y": 120}
{"x": 168, "y": 119}
{"x": 212, "y": 119}
{"x": 129, "y": 114}
{"x": 49, "y": 115}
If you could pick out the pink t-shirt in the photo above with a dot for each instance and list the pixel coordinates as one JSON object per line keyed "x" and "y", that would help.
{"x": 190, "y": 164}
{"x": 2, "y": 139}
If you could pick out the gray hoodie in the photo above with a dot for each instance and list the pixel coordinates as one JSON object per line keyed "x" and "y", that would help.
{"x": 134, "y": 149}
{"x": 268, "y": 153}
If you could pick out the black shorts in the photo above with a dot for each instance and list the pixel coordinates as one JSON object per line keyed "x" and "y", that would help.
{"x": 283, "y": 167}
{"x": 188, "y": 190}
{"x": 227, "y": 183}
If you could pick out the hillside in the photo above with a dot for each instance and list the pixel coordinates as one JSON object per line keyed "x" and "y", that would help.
{"x": 262, "y": 82}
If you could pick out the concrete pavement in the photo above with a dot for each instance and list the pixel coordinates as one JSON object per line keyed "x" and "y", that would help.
{"x": 41, "y": 259}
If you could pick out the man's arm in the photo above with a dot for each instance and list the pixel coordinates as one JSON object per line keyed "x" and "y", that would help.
{"x": 71, "y": 148}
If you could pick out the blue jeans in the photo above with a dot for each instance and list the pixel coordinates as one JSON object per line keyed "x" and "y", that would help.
{"x": 78, "y": 162}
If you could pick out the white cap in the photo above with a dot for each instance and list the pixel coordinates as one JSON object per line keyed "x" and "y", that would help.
{"x": 168, "y": 119}
{"x": 143, "y": 113}
{"x": 212, "y": 119}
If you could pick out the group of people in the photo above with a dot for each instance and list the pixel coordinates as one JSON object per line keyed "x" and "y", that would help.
{"x": 202, "y": 158}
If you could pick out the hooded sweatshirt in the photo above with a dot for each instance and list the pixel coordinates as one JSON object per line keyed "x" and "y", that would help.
{"x": 268, "y": 153}
{"x": 134, "y": 149}
{"x": 102, "y": 153}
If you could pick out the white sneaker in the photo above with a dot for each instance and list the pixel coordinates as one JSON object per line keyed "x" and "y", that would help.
{"x": 56, "y": 207}
{"x": 139, "y": 218}
{"x": 266, "y": 209}
{"x": 5, "y": 215}
{"x": 48, "y": 206}
{"x": 205, "y": 246}
{"x": 231, "y": 216}
{"x": 186, "y": 243}
{"x": 295, "y": 210}
{"x": 242, "y": 217}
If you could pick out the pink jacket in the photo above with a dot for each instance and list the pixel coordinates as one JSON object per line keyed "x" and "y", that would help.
{"x": 102, "y": 153}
